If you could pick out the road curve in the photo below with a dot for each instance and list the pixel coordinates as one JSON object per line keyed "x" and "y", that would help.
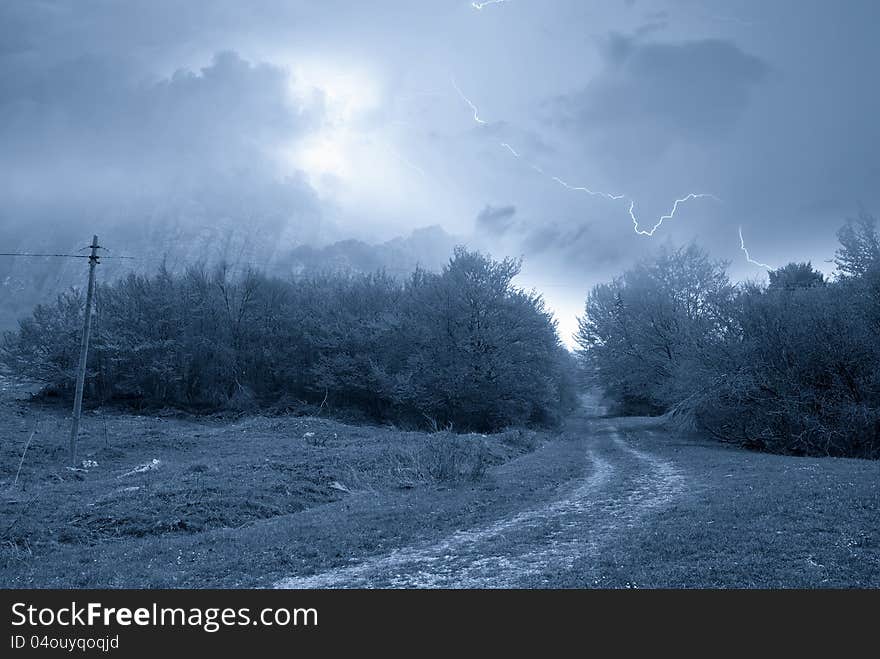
{"x": 622, "y": 485}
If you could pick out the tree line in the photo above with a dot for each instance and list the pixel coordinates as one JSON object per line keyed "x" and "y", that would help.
{"x": 463, "y": 347}
{"x": 791, "y": 366}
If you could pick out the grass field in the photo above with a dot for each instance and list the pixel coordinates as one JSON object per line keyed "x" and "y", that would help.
{"x": 750, "y": 520}
{"x": 146, "y": 483}
{"x": 245, "y": 503}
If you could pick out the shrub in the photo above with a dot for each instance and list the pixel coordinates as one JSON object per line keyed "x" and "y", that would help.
{"x": 448, "y": 457}
{"x": 463, "y": 346}
{"x": 793, "y": 367}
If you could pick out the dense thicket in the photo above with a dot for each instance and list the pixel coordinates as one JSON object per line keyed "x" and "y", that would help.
{"x": 463, "y": 346}
{"x": 790, "y": 367}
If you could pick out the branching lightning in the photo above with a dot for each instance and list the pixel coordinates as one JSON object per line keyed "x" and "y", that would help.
{"x": 663, "y": 218}
{"x": 580, "y": 188}
{"x": 479, "y": 5}
{"x": 742, "y": 246}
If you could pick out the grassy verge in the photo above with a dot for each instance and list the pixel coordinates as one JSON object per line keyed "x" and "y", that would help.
{"x": 149, "y": 489}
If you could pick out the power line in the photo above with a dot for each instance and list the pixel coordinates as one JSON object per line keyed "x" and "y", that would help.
{"x": 66, "y": 256}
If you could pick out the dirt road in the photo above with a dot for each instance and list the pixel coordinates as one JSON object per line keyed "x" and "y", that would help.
{"x": 623, "y": 484}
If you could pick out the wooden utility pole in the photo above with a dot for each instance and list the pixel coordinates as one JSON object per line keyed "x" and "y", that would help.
{"x": 83, "y": 352}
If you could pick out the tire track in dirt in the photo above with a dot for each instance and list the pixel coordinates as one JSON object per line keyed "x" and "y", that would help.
{"x": 624, "y": 485}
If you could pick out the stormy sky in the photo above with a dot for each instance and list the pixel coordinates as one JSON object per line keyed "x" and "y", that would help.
{"x": 525, "y": 127}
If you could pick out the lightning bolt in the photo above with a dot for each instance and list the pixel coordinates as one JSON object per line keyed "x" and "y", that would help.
{"x": 468, "y": 101}
{"x": 479, "y": 5}
{"x": 663, "y": 218}
{"x": 574, "y": 188}
{"x": 397, "y": 156}
{"x": 742, "y": 246}
{"x": 511, "y": 149}
{"x": 581, "y": 188}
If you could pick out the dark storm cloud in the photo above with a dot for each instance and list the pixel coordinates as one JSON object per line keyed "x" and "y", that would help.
{"x": 117, "y": 112}
{"x": 497, "y": 219}
{"x": 557, "y": 237}
{"x": 566, "y": 243}
{"x": 192, "y": 156}
{"x": 94, "y": 114}
{"x": 573, "y": 245}
{"x": 652, "y": 94}
{"x": 569, "y": 242}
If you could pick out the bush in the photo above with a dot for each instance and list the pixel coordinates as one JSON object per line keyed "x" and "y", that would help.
{"x": 448, "y": 457}
{"x": 793, "y": 367}
{"x": 803, "y": 379}
{"x": 463, "y": 346}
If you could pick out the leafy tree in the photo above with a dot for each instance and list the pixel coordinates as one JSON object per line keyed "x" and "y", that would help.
{"x": 859, "y": 250}
{"x": 487, "y": 354}
{"x": 794, "y": 276}
{"x": 793, "y": 367}
{"x": 643, "y": 332}
{"x": 464, "y": 346}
